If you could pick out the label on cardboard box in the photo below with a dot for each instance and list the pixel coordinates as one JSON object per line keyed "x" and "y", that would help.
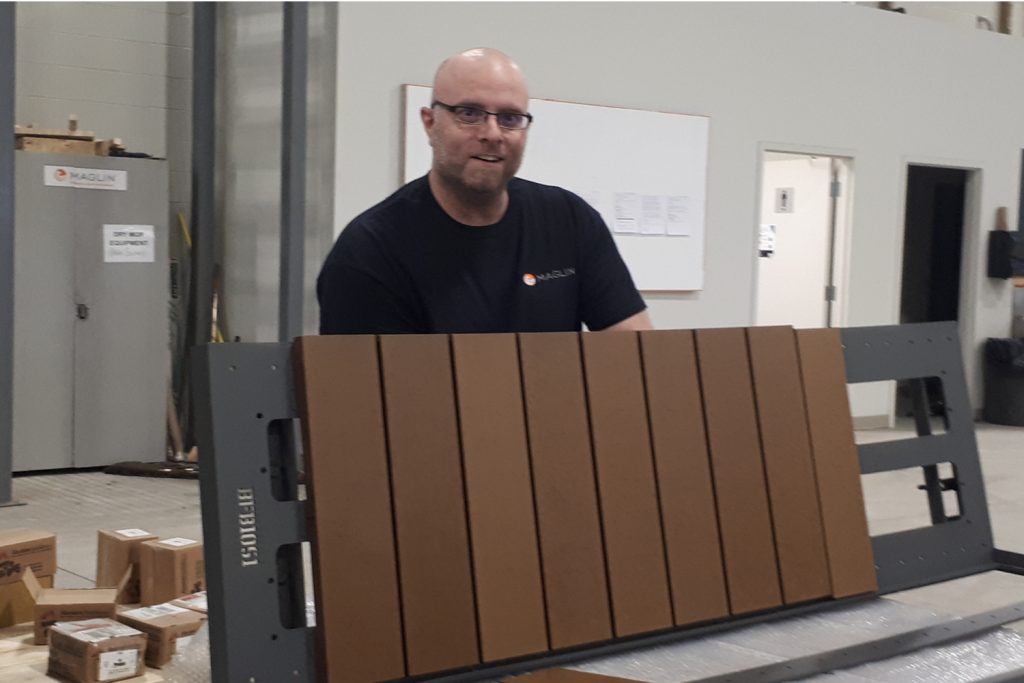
{"x": 132, "y": 533}
{"x": 118, "y": 664}
{"x": 178, "y": 542}
{"x": 99, "y": 634}
{"x": 196, "y": 601}
{"x": 155, "y": 611}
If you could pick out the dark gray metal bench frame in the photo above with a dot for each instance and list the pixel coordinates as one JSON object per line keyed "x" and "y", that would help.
{"x": 253, "y": 522}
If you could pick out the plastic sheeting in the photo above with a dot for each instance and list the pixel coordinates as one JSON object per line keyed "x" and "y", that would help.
{"x": 789, "y": 637}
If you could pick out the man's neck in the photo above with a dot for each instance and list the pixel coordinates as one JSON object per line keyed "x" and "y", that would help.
{"x": 475, "y": 209}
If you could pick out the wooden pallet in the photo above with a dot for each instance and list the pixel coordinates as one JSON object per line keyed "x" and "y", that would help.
{"x": 68, "y": 140}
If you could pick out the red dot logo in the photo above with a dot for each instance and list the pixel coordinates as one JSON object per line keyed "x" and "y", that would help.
{"x": 60, "y": 174}
{"x": 529, "y": 279}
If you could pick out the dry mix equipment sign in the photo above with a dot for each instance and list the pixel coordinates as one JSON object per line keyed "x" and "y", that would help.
{"x": 128, "y": 244}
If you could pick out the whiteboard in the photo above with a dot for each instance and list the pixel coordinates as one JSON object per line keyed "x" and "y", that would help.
{"x": 644, "y": 171}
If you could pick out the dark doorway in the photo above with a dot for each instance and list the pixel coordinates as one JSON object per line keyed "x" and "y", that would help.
{"x": 932, "y": 243}
{"x": 932, "y": 249}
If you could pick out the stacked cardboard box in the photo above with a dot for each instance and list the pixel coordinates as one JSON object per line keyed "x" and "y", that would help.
{"x": 168, "y": 627}
{"x": 95, "y": 650}
{"x": 67, "y": 604}
{"x": 117, "y": 552}
{"x": 169, "y": 569}
{"x": 21, "y": 549}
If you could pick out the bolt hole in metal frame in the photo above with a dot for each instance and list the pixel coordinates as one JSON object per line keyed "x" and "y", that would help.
{"x": 254, "y": 521}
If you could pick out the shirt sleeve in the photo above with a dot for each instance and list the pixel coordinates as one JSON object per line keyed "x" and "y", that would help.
{"x": 360, "y": 292}
{"x": 608, "y": 295}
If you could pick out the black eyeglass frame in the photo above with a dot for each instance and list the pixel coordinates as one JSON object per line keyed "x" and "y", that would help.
{"x": 496, "y": 114}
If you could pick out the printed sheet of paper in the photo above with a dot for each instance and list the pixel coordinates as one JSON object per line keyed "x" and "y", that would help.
{"x": 627, "y": 213}
{"x": 678, "y": 216}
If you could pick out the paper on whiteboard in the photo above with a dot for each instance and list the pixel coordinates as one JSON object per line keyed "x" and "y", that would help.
{"x": 627, "y": 212}
{"x": 128, "y": 244}
{"x": 678, "y": 219}
{"x": 654, "y": 215}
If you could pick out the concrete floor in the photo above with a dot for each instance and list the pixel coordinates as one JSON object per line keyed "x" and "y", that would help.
{"x": 75, "y": 505}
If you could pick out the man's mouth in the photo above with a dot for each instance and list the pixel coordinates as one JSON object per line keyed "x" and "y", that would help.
{"x": 489, "y": 158}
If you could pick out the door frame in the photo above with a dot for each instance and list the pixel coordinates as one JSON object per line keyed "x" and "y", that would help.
{"x": 842, "y": 226}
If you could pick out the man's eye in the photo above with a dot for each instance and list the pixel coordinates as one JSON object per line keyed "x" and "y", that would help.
{"x": 510, "y": 120}
{"x": 469, "y": 113}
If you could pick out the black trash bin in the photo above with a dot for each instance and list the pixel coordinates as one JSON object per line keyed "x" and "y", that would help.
{"x": 1004, "y": 382}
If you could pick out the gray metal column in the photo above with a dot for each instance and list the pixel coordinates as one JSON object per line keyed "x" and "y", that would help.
{"x": 204, "y": 123}
{"x": 293, "y": 168}
{"x": 7, "y": 10}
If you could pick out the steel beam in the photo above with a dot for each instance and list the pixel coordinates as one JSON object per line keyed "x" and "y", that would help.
{"x": 7, "y": 60}
{"x": 293, "y": 169}
{"x": 204, "y": 125}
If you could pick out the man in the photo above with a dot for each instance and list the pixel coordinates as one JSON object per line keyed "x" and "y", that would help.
{"x": 469, "y": 247}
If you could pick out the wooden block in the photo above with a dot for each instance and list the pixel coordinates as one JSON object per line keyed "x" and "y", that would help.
{"x": 499, "y": 492}
{"x": 65, "y": 133}
{"x": 56, "y": 146}
{"x": 687, "y": 495}
{"x": 569, "y": 523}
{"x": 743, "y": 513}
{"x": 634, "y": 548}
{"x": 359, "y": 628}
{"x": 850, "y": 556}
{"x": 430, "y": 504}
{"x": 786, "y": 445}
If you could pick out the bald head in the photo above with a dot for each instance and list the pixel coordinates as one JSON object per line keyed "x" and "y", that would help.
{"x": 480, "y": 67}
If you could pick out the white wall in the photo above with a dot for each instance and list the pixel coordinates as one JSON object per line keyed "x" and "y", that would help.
{"x": 883, "y": 88}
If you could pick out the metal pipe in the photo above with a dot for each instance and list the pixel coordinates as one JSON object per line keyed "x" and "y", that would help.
{"x": 204, "y": 89}
{"x": 7, "y": 62}
{"x": 293, "y": 169}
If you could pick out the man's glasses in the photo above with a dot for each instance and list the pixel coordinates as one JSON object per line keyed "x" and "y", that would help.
{"x": 475, "y": 116}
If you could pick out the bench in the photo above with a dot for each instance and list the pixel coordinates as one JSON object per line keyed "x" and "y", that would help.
{"x": 483, "y": 505}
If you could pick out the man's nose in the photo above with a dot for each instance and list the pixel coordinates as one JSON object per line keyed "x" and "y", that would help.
{"x": 489, "y": 128}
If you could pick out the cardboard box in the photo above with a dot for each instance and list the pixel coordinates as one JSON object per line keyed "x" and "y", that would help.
{"x": 117, "y": 552}
{"x": 96, "y": 650}
{"x": 67, "y": 604}
{"x": 17, "y": 606}
{"x": 167, "y": 627}
{"x": 195, "y": 602}
{"x": 169, "y": 569}
{"x": 24, "y": 548}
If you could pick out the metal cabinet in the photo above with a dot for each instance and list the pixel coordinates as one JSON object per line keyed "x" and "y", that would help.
{"x": 91, "y": 354}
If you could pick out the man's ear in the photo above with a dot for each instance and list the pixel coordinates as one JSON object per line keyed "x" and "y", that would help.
{"x": 427, "y": 117}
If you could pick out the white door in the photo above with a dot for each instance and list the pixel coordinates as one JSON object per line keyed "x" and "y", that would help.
{"x": 803, "y": 208}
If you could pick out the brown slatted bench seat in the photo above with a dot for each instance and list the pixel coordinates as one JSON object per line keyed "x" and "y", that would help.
{"x": 482, "y": 504}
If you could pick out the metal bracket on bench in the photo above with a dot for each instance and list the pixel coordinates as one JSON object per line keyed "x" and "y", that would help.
{"x": 949, "y": 548}
{"x": 253, "y": 522}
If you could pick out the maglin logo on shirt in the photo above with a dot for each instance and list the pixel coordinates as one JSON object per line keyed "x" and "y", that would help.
{"x": 529, "y": 279}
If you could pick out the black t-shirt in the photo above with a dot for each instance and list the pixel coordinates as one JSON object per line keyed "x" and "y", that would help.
{"x": 405, "y": 266}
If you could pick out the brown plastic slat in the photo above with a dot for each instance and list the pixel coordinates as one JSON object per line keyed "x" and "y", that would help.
{"x": 743, "y": 514}
{"x": 506, "y": 560}
{"x": 572, "y": 554}
{"x": 851, "y": 560}
{"x": 786, "y": 444}
{"x": 359, "y": 628}
{"x": 625, "y": 474}
{"x": 684, "y": 476}
{"x": 430, "y": 506}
